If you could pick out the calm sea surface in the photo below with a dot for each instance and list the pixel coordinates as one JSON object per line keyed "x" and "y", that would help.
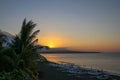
{"x": 103, "y": 61}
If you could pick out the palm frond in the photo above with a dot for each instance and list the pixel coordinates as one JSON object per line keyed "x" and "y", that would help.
{"x": 33, "y": 36}
{"x": 26, "y": 36}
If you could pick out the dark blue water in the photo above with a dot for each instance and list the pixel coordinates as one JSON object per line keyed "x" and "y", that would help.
{"x": 103, "y": 61}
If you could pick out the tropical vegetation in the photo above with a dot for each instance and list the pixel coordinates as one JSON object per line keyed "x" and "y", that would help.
{"x": 18, "y": 62}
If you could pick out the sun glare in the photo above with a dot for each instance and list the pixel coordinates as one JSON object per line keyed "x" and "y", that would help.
{"x": 52, "y": 42}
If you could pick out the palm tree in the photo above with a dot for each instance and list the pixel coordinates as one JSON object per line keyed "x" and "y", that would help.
{"x": 26, "y": 38}
{"x": 21, "y": 55}
{"x": 24, "y": 45}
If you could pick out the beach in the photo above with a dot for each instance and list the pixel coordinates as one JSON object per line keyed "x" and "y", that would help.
{"x": 102, "y": 61}
{"x": 50, "y": 72}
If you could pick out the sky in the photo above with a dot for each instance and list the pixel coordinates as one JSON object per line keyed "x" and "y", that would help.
{"x": 92, "y": 25}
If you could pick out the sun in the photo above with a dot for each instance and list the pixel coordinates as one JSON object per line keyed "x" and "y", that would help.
{"x": 51, "y": 41}
{"x": 51, "y": 44}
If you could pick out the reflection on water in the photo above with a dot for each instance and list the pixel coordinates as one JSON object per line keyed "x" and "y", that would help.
{"x": 105, "y": 61}
{"x": 51, "y": 57}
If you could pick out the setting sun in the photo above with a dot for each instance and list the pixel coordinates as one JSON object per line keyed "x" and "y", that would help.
{"x": 51, "y": 41}
{"x": 51, "y": 44}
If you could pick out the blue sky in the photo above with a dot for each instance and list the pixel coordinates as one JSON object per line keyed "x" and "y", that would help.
{"x": 78, "y": 24}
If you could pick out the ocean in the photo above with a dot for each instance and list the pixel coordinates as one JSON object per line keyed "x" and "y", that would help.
{"x": 103, "y": 61}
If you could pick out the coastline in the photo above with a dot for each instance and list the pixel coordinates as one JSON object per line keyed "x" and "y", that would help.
{"x": 68, "y": 71}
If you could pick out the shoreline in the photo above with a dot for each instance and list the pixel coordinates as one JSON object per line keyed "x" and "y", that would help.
{"x": 88, "y": 68}
{"x": 69, "y": 71}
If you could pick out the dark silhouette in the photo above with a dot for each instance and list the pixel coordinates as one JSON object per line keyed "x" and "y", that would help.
{"x": 19, "y": 60}
{"x": 25, "y": 38}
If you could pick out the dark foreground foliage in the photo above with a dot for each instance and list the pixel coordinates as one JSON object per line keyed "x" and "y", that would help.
{"x": 19, "y": 61}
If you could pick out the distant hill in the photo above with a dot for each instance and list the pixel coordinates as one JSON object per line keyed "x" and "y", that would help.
{"x": 63, "y": 50}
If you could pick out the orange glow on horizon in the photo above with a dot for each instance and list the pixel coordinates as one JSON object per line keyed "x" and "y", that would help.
{"x": 81, "y": 44}
{"x": 51, "y": 41}
{"x": 100, "y": 48}
{"x": 51, "y": 44}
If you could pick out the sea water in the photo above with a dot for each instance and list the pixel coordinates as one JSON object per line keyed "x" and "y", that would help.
{"x": 103, "y": 61}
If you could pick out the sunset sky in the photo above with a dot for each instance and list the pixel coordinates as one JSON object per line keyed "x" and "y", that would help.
{"x": 72, "y": 24}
